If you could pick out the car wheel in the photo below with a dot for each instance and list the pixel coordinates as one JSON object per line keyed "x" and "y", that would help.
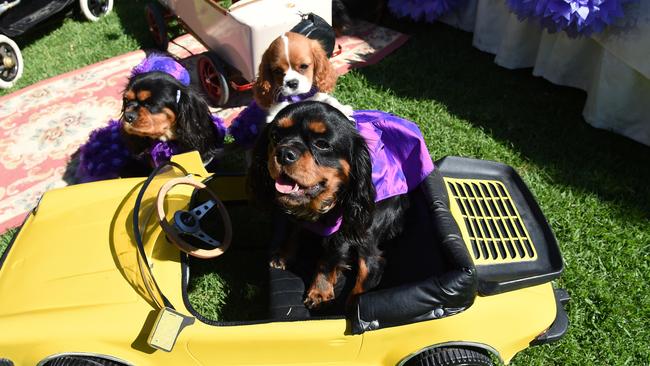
{"x": 11, "y": 62}
{"x": 82, "y": 361}
{"x": 154, "y": 14}
{"x": 450, "y": 356}
{"x": 94, "y": 9}
{"x": 214, "y": 83}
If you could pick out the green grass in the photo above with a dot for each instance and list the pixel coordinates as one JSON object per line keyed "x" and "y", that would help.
{"x": 66, "y": 43}
{"x": 592, "y": 185}
{"x": 5, "y": 239}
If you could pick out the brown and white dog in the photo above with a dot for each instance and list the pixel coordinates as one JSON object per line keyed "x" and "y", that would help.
{"x": 295, "y": 68}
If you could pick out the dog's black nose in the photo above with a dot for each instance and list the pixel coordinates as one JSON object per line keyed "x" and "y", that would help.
{"x": 293, "y": 83}
{"x": 287, "y": 155}
{"x": 130, "y": 116}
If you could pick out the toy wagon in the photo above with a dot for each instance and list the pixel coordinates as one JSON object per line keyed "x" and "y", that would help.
{"x": 237, "y": 36}
{"x": 92, "y": 279}
{"x": 18, "y": 17}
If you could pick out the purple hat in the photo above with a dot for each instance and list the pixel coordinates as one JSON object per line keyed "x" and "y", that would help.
{"x": 166, "y": 64}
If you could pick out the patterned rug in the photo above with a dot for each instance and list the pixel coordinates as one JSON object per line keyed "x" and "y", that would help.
{"x": 43, "y": 125}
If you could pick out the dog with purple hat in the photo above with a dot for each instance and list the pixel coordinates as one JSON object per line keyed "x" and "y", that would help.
{"x": 162, "y": 115}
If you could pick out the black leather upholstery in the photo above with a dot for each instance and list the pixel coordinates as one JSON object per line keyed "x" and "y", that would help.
{"x": 451, "y": 290}
{"x": 429, "y": 272}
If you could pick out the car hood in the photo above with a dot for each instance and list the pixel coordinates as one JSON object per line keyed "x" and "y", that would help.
{"x": 76, "y": 249}
{"x": 63, "y": 256}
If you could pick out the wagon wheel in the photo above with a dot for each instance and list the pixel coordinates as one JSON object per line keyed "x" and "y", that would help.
{"x": 157, "y": 25}
{"x": 11, "y": 62}
{"x": 212, "y": 79}
{"x": 95, "y": 9}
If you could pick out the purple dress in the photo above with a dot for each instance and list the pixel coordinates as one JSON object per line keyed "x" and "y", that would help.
{"x": 399, "y": 156}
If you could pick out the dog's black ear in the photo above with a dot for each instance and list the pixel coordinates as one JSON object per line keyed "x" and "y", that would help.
{"x": 358, "y": 199}
{"x": 194, "y": 127}
{"x": 258, "y": 181}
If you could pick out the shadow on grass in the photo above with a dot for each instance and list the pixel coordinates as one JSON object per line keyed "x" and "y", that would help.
{"x": 43, "y": 29}
{"x": 132, "y": 19}
{"x": 241, "y": 273}
{"x": 540, "y": 120}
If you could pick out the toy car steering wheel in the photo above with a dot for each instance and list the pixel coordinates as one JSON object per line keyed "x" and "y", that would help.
{"x": 188, "y": 222}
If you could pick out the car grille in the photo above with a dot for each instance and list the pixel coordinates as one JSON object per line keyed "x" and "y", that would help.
{"x": 493, "y": 230}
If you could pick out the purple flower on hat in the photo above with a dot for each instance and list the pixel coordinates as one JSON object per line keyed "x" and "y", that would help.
{"x": 166, "y": 64}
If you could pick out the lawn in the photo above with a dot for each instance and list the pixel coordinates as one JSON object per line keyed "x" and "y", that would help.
{"x": 66, "y": 43}
{"x": 592, "y": 185}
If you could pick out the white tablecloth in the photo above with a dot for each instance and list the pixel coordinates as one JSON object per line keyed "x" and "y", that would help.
{"x": 612, "y": 67}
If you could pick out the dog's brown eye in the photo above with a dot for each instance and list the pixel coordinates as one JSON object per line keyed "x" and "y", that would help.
{"x": 278, "y": 72}
{"x": 322, "y": 144}
{"x": 304, "y": 67}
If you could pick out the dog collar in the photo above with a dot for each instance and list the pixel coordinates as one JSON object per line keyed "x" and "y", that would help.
{"x": 166, "y": 64}
{"x": 327, "y": 225}
{"x": 297, "y": 98}
{"x": 399, "y": 158}
{"x": 162, "y": 151}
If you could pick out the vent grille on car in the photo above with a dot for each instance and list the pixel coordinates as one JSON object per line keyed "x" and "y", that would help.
{"x": 493, "y": 229}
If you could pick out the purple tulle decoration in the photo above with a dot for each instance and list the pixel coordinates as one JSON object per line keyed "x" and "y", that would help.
{"x": 103, "y": 156}
{"x": 221, "y": 128}
{"x": 575, "y": 17}
{"x": 430, "y": 10}
{"x": 247, "y": 125}
{"x": 162, "y": 151}
{"x": 157, "y": 62}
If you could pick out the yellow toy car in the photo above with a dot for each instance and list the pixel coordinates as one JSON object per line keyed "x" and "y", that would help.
{"x": 93, "y": 279}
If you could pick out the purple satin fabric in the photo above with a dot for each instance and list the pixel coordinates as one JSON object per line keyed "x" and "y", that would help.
{"x": 399, "y": 156}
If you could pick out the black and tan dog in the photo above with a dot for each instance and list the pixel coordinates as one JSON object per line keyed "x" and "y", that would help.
{"x": 313, "y": 164}
{"x": 162, "y": 115}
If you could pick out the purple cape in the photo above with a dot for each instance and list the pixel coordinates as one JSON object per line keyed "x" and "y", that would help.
{"x": 399, "y": 157}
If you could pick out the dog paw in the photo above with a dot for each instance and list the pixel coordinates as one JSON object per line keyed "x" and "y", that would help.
{"x": 316, "y": 297}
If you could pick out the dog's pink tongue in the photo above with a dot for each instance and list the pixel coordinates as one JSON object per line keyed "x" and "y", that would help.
{"x": 285, "y": 184}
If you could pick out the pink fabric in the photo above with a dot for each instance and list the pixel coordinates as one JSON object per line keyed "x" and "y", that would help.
{"x": 42, "y": 125}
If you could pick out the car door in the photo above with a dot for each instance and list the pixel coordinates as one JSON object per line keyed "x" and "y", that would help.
{"x": 311, "y": 342}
